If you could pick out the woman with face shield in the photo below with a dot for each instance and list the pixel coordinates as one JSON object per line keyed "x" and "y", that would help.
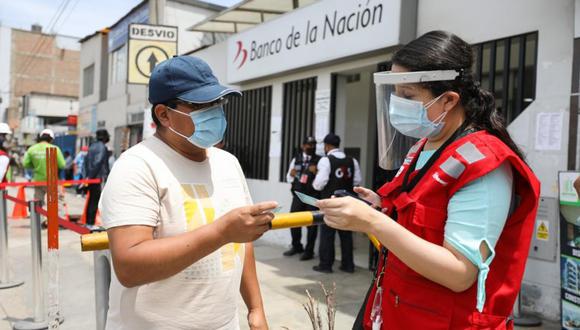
{"x": 458, "y": 217}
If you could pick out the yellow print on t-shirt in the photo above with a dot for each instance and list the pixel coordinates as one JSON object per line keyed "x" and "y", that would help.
{"x": 199, "y": 211}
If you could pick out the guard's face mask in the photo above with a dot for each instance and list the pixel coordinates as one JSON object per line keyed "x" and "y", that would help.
{"x": 210, "y": 126}
{"x": 309, "y": 151}
{"x": 408, "y": 117}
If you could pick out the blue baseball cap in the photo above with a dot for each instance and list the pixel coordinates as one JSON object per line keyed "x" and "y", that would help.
{"x": 186, "y": 78}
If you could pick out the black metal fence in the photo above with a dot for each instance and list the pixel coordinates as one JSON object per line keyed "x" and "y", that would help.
{"x": 297, "y": 118}
{"x": 248, "y": 133}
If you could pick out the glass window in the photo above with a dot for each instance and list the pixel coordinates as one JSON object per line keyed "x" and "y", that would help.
{"x": 88, "y": 80}
{"x": 119, "y": 65}
{"x": 507, "y": 67}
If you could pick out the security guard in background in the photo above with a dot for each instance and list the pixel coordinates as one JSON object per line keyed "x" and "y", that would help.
{"x": 336, "y": 171}
{"x": 301, "y": 174}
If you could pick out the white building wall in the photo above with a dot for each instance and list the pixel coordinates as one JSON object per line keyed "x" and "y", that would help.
{"x": 184, "y": 16}
{"x": 90, "y": 55}
{"x": 42, "y": 105}
{"x": 478, "y": 21}
{"x": 577, "y": 19}
{"x": 5, "y": 54}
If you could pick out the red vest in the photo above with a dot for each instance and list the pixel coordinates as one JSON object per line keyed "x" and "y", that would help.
{"x": 410, "y": 301}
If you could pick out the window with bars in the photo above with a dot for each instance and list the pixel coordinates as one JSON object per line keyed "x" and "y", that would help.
{"x": 507, "y": 68}
{"x": 297, "y": 119}
{"x": 248, "y": 133}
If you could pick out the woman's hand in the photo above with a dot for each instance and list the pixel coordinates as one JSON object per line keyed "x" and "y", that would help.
{"x": 368, "y": 195}
{"x": 347, "y": 213}
{"x": 257, "y": 319}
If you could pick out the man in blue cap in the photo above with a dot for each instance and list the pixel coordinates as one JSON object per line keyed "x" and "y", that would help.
{"x": 177, "y": 212}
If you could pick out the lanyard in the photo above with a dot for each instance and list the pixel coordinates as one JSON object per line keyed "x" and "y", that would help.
{"x": 408, "y": 186}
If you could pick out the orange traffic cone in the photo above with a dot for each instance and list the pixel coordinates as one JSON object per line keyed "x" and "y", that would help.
{"x": 83, "y": 219}
{"x": 20, "y": 211}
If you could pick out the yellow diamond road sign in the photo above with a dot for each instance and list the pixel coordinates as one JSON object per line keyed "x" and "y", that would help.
{"x": 149, "y": 45}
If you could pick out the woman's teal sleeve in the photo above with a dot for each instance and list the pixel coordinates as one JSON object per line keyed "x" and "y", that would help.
{"x": 476, "y": 215}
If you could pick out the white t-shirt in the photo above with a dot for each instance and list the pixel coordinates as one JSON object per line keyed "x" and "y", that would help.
{"x": 153, "y": 185}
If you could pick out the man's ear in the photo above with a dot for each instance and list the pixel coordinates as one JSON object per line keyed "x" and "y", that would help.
{"x": 161, "y": 114}
{"x": 450, "y": 100}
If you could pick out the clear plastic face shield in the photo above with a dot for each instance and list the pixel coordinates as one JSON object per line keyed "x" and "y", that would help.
{"x": 393, "y": 146}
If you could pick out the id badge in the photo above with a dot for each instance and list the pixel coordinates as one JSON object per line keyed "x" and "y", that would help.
{"x": 304, "y": 178}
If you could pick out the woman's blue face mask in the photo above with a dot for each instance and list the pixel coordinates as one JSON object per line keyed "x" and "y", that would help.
{"x": 410, "y": 118}
{"x": 210, "y": 126}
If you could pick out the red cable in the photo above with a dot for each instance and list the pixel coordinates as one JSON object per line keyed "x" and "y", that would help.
{"x": 65, "y": 223}
{"x": 16, "y": 200}
{"x": 44, "y": 183}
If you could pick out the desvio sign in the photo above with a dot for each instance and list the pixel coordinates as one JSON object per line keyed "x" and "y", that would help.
{"x": 321, "y": 32}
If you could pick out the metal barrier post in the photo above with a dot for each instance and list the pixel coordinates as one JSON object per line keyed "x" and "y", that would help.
{"x": 39, "y": 319}
{"x": 5, "y": 282}
{"x": 102, "y": 265}
{"x": 523, "y": 320}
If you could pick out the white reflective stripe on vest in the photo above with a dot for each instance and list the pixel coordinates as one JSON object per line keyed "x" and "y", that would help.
{"x": 452, "y": 167}
{"x": 470, "y": 153}
{"x": 414, "y": 149}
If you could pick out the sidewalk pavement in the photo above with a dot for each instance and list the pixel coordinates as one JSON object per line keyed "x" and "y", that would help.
{"x": 283, "y": 283}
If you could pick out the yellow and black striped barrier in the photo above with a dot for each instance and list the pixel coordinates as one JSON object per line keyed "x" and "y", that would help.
{"x": 100, "y": 241}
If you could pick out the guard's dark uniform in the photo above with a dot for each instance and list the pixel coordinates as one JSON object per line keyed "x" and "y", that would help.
{"x": 303, "y": 183}
{"x": 341, "y": 177}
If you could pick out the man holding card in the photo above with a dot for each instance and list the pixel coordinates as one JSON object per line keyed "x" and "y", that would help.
{"x": 179, "y": 214}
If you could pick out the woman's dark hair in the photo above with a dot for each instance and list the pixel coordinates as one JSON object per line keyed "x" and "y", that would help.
{"x": 441, "y": 50}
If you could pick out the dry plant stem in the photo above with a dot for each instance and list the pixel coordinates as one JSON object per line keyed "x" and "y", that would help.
{"x": 313, "y": 312}
{"x": 330, "y": 296}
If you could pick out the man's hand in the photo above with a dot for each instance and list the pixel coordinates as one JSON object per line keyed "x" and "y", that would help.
{"x": 312, "y": 169}
{"x": 257, "y": 319}
{"x": 246, "y": 224}
{"x": 293, "y": 172}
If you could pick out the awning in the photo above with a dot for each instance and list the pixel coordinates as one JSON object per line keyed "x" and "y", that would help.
{"x": 247, "y": 14}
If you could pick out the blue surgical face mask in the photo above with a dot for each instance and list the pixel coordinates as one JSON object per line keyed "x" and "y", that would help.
{"x": 210, "y": 126}
{"x": 410, "y": 118}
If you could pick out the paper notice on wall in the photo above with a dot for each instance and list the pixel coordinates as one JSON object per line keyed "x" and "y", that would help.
{"x": 549, "y": 130}
{"x": 276, "y": 136}
{"x": 322, "y": 114}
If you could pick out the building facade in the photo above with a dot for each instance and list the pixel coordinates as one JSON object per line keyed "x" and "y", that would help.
{"x": 309, "y": 72}
{"x": 37, "y": 67}
{"x": 106, "y": 99}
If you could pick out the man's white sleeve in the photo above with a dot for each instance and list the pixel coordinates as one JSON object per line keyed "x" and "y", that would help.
{"x": 290, "y": 178}
{"x": 4, "y": 162}
{"x": 131, "y": 195}
{"x": 322, "y": 175}
{"x": 357, "y": 176}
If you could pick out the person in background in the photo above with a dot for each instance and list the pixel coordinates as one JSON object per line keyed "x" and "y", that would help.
{"x": 96, "y": 166}
{"x": 79, "y": 163}
{"x": 336, "y": 171}
{"x": 35, "y": 159}
{"x": 301, "y": 173}
{"x": 68, "y": 167}
{"x": 4, "y": 157}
